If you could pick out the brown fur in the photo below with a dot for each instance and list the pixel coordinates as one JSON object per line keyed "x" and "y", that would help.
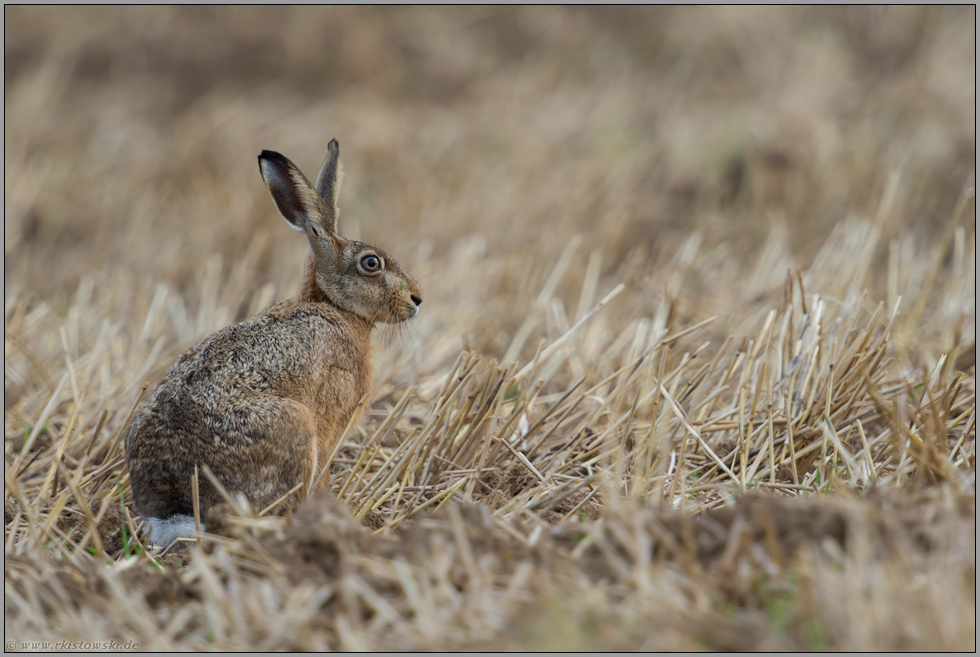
{"x": 257, "y": 399}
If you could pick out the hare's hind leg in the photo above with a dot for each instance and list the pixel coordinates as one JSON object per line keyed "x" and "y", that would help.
{"x": 280, "y": 456}
{"x": 258, "y": 451}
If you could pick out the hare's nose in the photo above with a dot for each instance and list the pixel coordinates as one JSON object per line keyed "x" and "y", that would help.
{"x": 416, "y": 294}
{"x": 417, "y": 300}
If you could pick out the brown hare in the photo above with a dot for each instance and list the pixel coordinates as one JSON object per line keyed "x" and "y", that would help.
{"x": 257, "y": 399}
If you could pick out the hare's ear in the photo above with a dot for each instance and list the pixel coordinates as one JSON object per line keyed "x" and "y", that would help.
{"x": 328, "y": 185}
{"x": 292, "y": 193}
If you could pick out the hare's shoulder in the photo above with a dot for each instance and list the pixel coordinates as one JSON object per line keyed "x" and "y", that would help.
{"x": 262, "y": 351}
{"x": 328, "y": 331}
{"x": 306, "y": 318}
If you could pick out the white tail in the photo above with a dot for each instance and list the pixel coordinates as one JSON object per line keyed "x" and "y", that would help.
{"x": 164, "y": 531}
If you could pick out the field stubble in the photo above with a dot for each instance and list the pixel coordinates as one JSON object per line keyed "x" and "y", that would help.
{"x": 696, "y": 367}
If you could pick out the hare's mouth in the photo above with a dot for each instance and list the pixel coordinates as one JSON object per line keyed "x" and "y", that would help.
{"x": 402, "y": 309}
{"x": 401, "y": 314}
{"x": 404, "y": 316}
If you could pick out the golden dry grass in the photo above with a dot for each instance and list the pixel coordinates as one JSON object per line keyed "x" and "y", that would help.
{"x": 696, "y": 366}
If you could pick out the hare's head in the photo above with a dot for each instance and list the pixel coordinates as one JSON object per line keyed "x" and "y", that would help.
{"x": 354, "y": 276}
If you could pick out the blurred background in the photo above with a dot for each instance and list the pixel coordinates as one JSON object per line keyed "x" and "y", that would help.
{"x": 478, "y": 142}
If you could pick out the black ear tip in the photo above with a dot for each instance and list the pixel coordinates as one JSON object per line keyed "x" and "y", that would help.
{"x": 271, "y": 155}
{"x": 333, "y": 146}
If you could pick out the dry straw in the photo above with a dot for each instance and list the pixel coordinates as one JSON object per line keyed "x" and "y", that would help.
{"x": 810, "y": 403}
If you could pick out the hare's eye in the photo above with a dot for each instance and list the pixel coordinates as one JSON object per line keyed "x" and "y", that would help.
{"x": 370, "y": 264}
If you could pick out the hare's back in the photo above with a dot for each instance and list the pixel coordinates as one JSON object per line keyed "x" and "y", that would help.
{"x": 264, "y": 352}
{"x": 258, "y": 353}
{"x": 239, "y": 384}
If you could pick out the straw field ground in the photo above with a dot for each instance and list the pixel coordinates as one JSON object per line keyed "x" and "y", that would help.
{"x": 696, "y": 363}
